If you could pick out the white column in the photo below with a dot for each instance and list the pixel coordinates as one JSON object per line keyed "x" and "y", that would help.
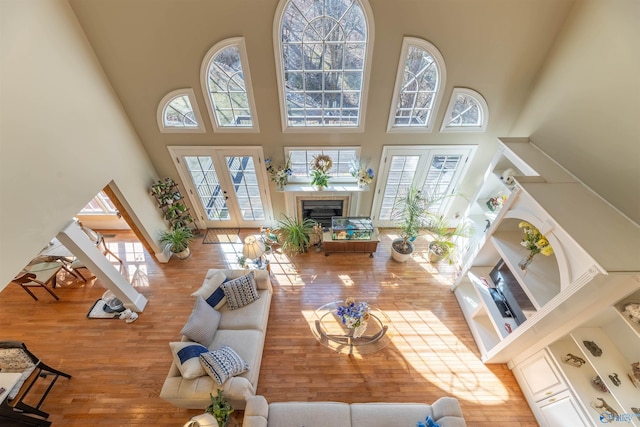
{"x": 79, "y": 244}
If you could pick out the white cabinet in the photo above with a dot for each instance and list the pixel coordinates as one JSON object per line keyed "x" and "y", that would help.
{"x": 532, "y": 318}
{"x": 562, "y": 410}
{"x": 540, "y": 376}
{"x": 549, "y": 393}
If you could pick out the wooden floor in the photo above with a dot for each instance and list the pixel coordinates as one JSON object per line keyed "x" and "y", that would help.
{"x": 118, "y": 368}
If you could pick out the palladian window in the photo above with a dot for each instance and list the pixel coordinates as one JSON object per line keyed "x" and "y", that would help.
{"x": 322, "y": 57}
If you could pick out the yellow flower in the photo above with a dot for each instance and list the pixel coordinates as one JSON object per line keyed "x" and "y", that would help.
{"x": 524, "y": 224}
{"x": 349, "y": 301}
{"x": 543, "y": 242}
{"x": 365, "y": 317}
{"x": 547, "y": 250}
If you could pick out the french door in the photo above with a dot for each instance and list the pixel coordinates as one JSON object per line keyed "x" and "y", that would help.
{"x": 227, "y": 186}
{"x": 435, "y": 170}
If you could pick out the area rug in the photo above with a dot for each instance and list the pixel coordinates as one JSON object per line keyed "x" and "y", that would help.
{"x": 222, "y": 235}
{"x": 100, "y": 310}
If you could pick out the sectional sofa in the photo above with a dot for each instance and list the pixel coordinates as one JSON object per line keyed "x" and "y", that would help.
{"x": 213, "y": 325}
{"x": 258, "y": 413}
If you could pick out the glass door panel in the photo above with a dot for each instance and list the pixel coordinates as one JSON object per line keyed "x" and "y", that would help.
{"x": 435, "y": 170}
{"x": 242, "y": 173}
{"x": 228, "y": 186}
{"x": 207, "y": 185}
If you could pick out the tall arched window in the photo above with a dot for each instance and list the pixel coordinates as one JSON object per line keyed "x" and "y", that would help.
{"x": 467, "y": 112}
{"x": 226, "y": 82}
{"x": 419, "y": 84}
{"x": 178, "y": 112}
{"x": 323, "y": 52}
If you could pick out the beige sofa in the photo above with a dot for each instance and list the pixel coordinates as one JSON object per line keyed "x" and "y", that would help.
{"x": 258, "y": 413}
{"x": 242, "y": 329}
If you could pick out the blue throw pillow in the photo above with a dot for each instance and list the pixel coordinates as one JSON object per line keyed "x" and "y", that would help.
{"x": 186, "y": 356}
{"x": 223, "y": 364}
{"x": 240, "y": 291}
{"x": 427, "y": 423}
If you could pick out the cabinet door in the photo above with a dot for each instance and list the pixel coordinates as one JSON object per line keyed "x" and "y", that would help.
{"x": 563, "y": 410}
{"x": 541, "y": 378}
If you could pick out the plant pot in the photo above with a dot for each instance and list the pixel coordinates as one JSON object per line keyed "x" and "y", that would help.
{"x": 400, "y": 254}
{"x": 435, "y": 256}
{"x": 184, "y": 254}
{"x": 319, "y": 187}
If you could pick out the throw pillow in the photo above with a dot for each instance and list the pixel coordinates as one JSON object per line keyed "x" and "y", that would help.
{"x": 223, "y": 364}
{"x": 202, "y": 323}
{"x": 427, "y": 423}
{"x": 186, "y": 355}
{"x": 211, "y": 290}
{"x": 241, "y": 291}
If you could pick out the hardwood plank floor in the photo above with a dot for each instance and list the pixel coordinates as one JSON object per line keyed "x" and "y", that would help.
{"x": 118, "y": 368}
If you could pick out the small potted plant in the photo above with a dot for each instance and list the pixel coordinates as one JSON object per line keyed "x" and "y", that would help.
{"x": 220, "y": 409}
{"x": 443, "y": 246}
{"x": 177, "y": 241}
{"x": 320, "y": 168}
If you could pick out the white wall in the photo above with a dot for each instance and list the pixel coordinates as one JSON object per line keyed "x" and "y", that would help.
{"x": 63, "y": 132}
{"x": 584, "y": 110}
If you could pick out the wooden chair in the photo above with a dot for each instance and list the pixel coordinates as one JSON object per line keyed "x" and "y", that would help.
{"x": 16, "y": 358}
{"x": 40, "y": 279}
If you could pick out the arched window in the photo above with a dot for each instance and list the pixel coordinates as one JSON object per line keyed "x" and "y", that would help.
{"x": 226, "y": 82}
{"x": 467, "y": 112}
{"x": 419, "y": 84}
{"x": 323, "y": 52}
{"x": 178, "y": 112}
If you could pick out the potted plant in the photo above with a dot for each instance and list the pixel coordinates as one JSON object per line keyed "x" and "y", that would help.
{"x": 220, "y": 409}
{"x": 294, "y": 234}
{"x": 177, "y": 241}
{"x": 320, "y": 167}
{"x": 411, "y": 213}
{"x": 443, "y": 246}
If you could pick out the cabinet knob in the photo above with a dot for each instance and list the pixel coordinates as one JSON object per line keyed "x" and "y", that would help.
{"x": 553, "y": 399}
{"x": 548, "y": 393}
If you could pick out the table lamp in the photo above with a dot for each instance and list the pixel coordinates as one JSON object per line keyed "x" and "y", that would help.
{"x": 253, "y": 249}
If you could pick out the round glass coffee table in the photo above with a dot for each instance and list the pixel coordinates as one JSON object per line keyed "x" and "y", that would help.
{"x": 332, "y": 333}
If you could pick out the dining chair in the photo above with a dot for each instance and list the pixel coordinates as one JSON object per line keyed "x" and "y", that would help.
{"x": 40, "y": 279}
{"x": 16, "y": 358}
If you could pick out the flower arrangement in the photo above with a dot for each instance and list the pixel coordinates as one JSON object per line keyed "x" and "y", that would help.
{"x": 354, "y": 316}
{"x": 496, "y": 202}
{"x": 320, "y": 167}
{"x": 534, "y": 241}
{"x": 322, "y": 163}
{"x": 362, "y": 174}
{"x": 279, "y": 174}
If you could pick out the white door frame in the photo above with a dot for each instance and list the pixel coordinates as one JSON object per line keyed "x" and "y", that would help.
{"x": 426, "y": 154}
{"x": 218, "y": 153}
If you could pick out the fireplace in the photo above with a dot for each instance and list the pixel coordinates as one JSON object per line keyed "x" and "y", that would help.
{"x": 321, "y": 209}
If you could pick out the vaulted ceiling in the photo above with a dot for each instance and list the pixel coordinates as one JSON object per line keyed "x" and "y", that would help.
{"x": 151, "y": 47}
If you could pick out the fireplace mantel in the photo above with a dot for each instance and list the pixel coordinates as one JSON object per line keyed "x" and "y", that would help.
{"x": 348, "y": 193}
{"x": 334, "y": 188}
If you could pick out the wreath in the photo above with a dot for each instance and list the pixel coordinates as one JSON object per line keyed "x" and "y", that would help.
{"x": 322, "y": 163}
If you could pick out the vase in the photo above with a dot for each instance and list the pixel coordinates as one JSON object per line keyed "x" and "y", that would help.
{"x": 524, "y": 262}
{"x": 280, "y": 185}
{"x": 319, "y": 187}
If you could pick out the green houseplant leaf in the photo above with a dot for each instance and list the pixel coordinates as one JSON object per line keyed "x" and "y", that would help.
{"x": 294, "y": 234}
{"x": 177, "y": 240}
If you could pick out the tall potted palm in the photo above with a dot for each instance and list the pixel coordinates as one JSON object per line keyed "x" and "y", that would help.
{"x": 410, "y": 212}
